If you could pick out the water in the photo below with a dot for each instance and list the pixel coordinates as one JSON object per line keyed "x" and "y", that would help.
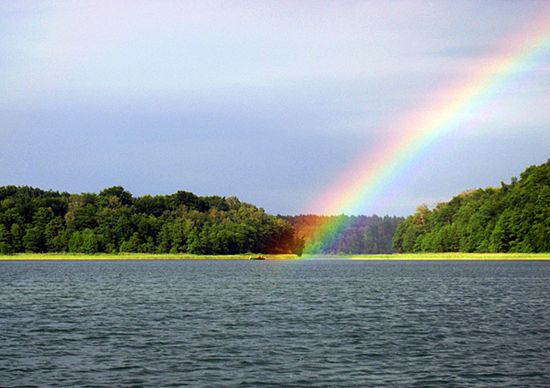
{"x": 324, "y": 323}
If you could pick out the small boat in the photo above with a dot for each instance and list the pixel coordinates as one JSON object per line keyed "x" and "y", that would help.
{"x": 256, "y": 258}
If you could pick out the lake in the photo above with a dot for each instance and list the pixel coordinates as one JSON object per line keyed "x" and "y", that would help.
{"x": 308, "y": 322}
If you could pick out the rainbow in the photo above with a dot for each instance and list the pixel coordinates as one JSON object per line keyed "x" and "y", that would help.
{"x": 412, "y": 135}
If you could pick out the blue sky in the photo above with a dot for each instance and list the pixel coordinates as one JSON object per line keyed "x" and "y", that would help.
{"x": 269, "y": 101}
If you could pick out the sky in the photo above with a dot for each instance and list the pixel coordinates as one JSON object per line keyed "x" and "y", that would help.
{"x": 271, "y": 101}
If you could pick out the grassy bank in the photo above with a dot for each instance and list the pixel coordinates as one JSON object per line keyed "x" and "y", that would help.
{"x": 456, "y": 256}
{"x": 150, "y": 256}
{"x": 135, "y": 256}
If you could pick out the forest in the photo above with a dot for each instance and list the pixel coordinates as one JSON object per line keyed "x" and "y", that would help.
{"x": 34, "y": 220}
{"x": 512, "y": 218}
{"x": 113, "y": 221}
{"x": 356, "y": 234}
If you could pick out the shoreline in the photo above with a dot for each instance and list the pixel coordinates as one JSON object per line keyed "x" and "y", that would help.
{"x": 274, "y": 257}
{"x": 136, "y": 256}
{"x": 457, "y": 256}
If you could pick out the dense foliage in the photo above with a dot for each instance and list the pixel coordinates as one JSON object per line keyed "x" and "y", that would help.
{"x": 353, "y": 234}
{"x": 34, "y": 220}
{"x": 512, "y": 218}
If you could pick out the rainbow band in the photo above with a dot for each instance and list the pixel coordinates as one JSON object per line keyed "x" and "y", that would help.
{"x": 367, "y": 179}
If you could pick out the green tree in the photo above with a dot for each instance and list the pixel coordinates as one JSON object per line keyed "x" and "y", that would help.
{"x": 5, "y": 241}
{"x": 85, "y": 241}
{"x": 17, "y": 234}
{"x": 55, "y": 235}
{"x": 114, "y": 197}
{"x": 33, "y": 240}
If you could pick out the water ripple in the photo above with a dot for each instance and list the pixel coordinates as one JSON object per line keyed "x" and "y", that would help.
{"x": 314, "y": 323}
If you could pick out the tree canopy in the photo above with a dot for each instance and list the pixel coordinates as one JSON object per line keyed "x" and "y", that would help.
{"x": 34, "y": 220}
{"x": 112, "y": 221}
{"x": 512, "y": 218}
{"x": 354, "y": 234}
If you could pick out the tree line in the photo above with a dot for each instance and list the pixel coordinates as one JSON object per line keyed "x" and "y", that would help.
{"x": 512, "y": 218}
{"x": 34, "y": 220}
{"x": 351, "y": 234}
{"x": 113, "y": 221}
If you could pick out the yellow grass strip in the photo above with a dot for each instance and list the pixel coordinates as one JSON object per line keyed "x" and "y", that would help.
{"x": 135, "y": 256}
{"x": 154, "y": 256}
{"x": 456, "y": 256}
